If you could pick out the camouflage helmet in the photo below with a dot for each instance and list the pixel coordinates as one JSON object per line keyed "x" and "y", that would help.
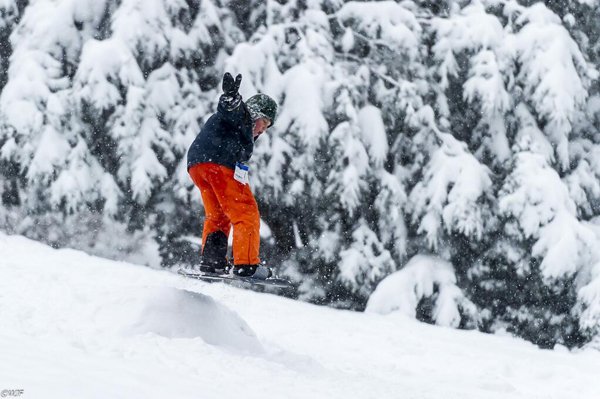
{"x": 262, "y": 106}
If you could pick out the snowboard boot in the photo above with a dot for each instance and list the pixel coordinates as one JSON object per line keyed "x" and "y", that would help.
{"x": 214, "y": 268}
{"x": 214, "y": 254}
{"x": 258, "y": 271}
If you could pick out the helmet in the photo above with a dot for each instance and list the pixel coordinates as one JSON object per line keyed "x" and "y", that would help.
{"x": 262, "y": 106}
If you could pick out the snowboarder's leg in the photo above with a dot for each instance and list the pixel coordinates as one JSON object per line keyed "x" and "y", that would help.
{"x": 246, "y": 224}
{"x": 239, "y": 205}
{"x": 216, "y": 224}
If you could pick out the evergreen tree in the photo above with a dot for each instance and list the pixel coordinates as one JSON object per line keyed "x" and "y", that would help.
{"x": 115, "y": 100}
{"x": 10, "y": 13}
{"x": 452, "y": 146}
{"x": 37, "y": 133}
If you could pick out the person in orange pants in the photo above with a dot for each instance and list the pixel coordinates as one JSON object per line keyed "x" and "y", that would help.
{"x": 227, "y": 202}
{"x": 216, "y": 164}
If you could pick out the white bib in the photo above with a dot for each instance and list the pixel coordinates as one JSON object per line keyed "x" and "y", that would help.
{"x": 241, "y": 173}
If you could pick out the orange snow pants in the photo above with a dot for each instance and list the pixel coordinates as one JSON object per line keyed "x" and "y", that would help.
{"x": 227, "y": 202}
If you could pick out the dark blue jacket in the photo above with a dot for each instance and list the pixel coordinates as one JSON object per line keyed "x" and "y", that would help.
{"x": 226, "y": 137}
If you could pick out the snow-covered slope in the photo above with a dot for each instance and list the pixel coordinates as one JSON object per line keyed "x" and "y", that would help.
{"x": 75, "y": 326}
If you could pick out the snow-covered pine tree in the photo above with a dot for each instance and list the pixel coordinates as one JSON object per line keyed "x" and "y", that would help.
{"x": 56, "y": 169}
{"x": 10, "y": 13}
{"x": 446, "y": 130}
{"x": 330, "y": 188}
{"x": 139, "y": 96}
{"x": 491, "y": 75}
{"x": 563, "y": 248}
{"x": 451, "y": 183}
{"x": 101, "y": 103}
{"x": 528, "y": 279}
{"x": 283, "y": 63}
{"x": 531, "y": 271}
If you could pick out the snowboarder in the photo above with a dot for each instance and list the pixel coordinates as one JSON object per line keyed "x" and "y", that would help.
{"x": 216, "y": 164}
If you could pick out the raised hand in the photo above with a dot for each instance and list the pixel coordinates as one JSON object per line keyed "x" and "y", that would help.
{"x": 230, "y": 88}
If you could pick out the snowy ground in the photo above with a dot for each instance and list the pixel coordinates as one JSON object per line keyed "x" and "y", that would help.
{"x": 75, "y": 326}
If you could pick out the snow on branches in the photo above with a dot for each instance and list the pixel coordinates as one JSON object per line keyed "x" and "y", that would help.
{"x": 538, "y": 200}
{"x": 468, "y": 131}
{"x": 102, "y": 95}
{"x": 37, "y": 123}
{"x": 423, "y": 277}
{"x": 553, "y": 72}
{"x": 449, "y": 194}
{"x": 365, "y": 262}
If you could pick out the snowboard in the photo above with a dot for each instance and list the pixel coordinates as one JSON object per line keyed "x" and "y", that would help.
{"x": 270, "y": 282}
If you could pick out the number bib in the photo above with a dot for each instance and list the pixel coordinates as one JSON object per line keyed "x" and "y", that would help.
{"x": 241, "y": 173}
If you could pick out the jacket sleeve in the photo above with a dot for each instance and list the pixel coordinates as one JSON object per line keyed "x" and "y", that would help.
{"x": 246, "y": 140}
{"x": 234, "y": 113}
{"x": 231, "y": 109}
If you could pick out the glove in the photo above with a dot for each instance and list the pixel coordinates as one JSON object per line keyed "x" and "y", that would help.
{"x": 230, "y": 88}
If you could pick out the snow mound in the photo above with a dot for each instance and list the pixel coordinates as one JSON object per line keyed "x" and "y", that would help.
{"x": 175, "y": 313}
